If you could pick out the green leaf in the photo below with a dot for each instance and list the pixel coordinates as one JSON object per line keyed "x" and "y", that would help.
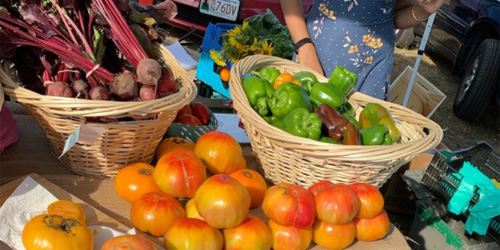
{"x": 98, "y": 45}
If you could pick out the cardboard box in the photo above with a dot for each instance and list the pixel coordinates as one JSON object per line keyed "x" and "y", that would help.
{"x": 425, "y": 98}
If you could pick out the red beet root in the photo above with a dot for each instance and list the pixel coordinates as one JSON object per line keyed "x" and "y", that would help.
{"x": 124, "y": 87}
{"x": 99, "y": 93}
{"x": 147, "y": 93}
{"x": 82, "y": 88}
{"x": 167, "y": 83}
{"x": 148, "y": 71}
{"x": 60, "y": 89}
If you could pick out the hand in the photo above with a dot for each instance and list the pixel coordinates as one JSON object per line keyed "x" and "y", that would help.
{"x": 430, "y": 6}
{"x": 308, "y": 57}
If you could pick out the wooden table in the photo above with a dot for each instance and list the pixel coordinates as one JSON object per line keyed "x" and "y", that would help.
{"x": 31, "y": 154}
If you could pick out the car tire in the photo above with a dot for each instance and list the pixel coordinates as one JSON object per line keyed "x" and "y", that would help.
{"x": 404, "y": 38}
{"x": 479, "y": 81}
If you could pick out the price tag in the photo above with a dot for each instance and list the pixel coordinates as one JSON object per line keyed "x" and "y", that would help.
{"x": 84, "y": 133}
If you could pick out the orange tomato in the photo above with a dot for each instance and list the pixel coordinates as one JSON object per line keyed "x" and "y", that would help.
{"x": 191, "y": 211}
{"x": 254, "y": 183}
{"x": 128, "y": 242}
{"x": 371, "y": 201}
{"x": 155, "y": 212}
{"x": 134, "y": 180}
{"x": 67, "y": 209}
{"x": 222, "y": 201}
{"x": 372, "y": 229}
{"x": 220, "y": 152}
{"x": 224, "y": 74}
{"x": 251, "y": 234}
{"x": 285, "y": 77}
{"x": 290, "y": 238}
{"x": 333, "y": 236}
{"x": 173, "y": 143}
{"x": 193, "y": 234}
{"x": 180, "y": 173}
{"x": 336, "y": 205}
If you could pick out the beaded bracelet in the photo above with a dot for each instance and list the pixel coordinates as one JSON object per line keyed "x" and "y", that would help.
{"x": 415, "y": 16}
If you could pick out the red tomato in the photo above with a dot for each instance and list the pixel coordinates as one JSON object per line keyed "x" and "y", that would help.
{"x": 220, "y": 152}
{"x": 189, "y": 120}
{"x": 185, "y": 110}
{"x": 333, "y": 236}
{"x": 201, "y": 112}
{"x": 254, "y": 183}
{"x": 180, "y": 173}
{"x": 372, "y": 229}
{"x": 222, "y": 201}
{"x": 289, "y": 205}
{"x": 320, "y": 185}
{"x": 191, "y": 211}
{"x": 337, "y": 205}
{"x": 193, "y": 234}
{"x": 252, "y": 233}
{"x": 290, "y": 238}
{"x": 371, "y": 201}
{"x": 155, "y": 212}
{"x": 124, "y": 242}
{"x": 134, "y": 180}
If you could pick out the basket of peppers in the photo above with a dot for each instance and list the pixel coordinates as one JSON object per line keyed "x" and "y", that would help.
{"x": 305, "y": 128}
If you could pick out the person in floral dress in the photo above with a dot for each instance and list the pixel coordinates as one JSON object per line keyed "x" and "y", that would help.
{"x": 357, "y": 34}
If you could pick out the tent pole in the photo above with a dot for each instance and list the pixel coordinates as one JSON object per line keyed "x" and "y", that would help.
{"x": 421, "y": 50}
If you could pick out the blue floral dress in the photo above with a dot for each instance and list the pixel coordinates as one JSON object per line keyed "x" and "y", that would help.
{"x": 359, "y": 35}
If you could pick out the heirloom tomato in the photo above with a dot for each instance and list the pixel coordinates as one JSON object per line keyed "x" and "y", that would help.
{"x": 289, "y": 205}
{"x": 67, "y": 209}
{"x": 254, "y": 183}
{"x": 251, "y": 230}
{"x": 372, "y": 229}
{"x": 173, "y": 143}
{"x": 188, "y": 233}
{"x": 290, "y": 238}
{"x": 201, "y": 112}
{"x": 56, "y": 232}
{"x": 134, "y": 180}
{"x": 333, "y": 236}
{"x": 180, "y": 173}
{"x": 155, "y": 212}
{"x": 191, "y": 211}
{"x": 220, "y": 152}
{"x": 320, "y": 185}
{"x": 371, "y": 201}
{"x": 128, "y": 242}
{"x": 337, "y": 205}
{"x": 222, "y": 201}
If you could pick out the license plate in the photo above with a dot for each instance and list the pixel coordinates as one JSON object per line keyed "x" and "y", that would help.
{"x": 227, "y": 9}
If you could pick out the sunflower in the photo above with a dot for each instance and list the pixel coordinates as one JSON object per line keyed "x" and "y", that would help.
{"x": 245, "y": 25}
{"x": 234, "y": 32}
{"x": 267, "y": 48}
{"x": 218, "y": 58}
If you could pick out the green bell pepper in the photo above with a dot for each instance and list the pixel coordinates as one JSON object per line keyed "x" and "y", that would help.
{"x": 306, "y": 79}
{"x": 323, "y": 93}
{"x": 275, "y": 121}
{"x": 347, "y": 108}
{"x": 352, "y": 120}
{"x": 301, "y": 122}
{"x": 377, "y": 135}
{"x": 374, "y": 114}
{"x": 328, "y": 140}
{"x": 343, "y": 79}
{"x": 268, "y": 73}
{"x": 288, "y": 96}
{"x": 258, "y": 92}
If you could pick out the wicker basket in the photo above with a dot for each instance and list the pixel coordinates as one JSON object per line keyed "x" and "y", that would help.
{"x": 287, "y": 158}
{"x": 122, "y": 142}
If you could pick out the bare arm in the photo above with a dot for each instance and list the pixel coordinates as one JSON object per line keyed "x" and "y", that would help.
{"x": 294, "y": 18}
{"x": 403, "y": 16}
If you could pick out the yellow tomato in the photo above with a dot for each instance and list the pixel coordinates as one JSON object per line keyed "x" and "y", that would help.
{"x": 191, "y": 233}
{"x": 66, "y": 209}
{"x": 50, "y": 232}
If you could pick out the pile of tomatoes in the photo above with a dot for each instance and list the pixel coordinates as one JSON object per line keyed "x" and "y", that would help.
{"x": 210, "y": 177}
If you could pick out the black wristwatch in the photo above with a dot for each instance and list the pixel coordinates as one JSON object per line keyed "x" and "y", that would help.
{"x": 301, "y": 42}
